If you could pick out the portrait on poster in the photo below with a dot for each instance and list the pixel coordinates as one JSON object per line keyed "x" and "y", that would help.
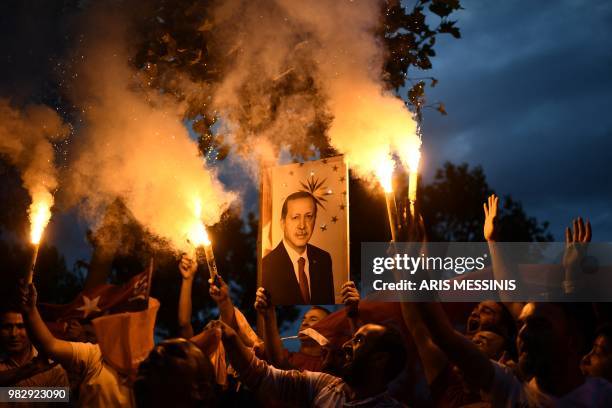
{"x": 304, "y": 256}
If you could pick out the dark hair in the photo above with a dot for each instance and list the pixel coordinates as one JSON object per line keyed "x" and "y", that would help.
{"x": 9, "y": 308}
{"x": 507, "y": 321}
{"x": 581, "y": 324}
{"x": 161, "y": 376}
{"x": 392, "y": 342}
{"x": 316, "y": 307}
{"x": 604, "y": 330}
{"x": 296, "y": 196}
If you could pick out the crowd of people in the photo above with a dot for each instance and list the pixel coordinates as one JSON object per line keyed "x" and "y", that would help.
{"x": 500, "y": 354}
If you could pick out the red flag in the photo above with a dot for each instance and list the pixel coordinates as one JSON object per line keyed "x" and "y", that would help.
{"x": 101, "y": 300}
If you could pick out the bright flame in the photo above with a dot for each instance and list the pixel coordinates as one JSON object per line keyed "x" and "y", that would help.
{"x": 40, "y": 214}
{"x": 412, "y": 160}
{"x": 197, "y": 234}
{"x": 384, "y": 174}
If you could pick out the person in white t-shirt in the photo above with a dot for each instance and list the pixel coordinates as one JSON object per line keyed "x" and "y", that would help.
{"x": 103, "y": 372}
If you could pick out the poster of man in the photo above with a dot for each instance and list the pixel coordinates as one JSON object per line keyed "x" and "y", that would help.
{"x": 304, "y": 232}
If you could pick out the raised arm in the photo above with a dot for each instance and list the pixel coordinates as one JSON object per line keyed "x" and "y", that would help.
{"x": 219, "y": 291}
{"x": 476, "y": 367}
{"x": 351, "y": 298}
{"x": 271, "y": 337}
{"x": 433, "y": 359}
{"x": 502, "y": 269}
{"x": 292, "y": 386}
{"x": 187, "y": 268}
{"x": 58, "y": 350}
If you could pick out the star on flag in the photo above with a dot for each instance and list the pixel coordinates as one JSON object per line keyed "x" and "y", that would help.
{"x": 89, "y": 306}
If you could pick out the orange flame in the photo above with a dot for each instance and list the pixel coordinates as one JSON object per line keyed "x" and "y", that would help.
{"x": 196, "y": 233}
{"x": 384, "y": 174}
{"x": 40, "y": 214}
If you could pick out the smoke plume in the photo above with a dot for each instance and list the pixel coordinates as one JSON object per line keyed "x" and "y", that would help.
{"x": 295, "y": 68}
{"x": 26, "y": 137}
{"x": 135, "y": 146}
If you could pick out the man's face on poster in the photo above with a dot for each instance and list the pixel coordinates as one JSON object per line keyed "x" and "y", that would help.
{"x": 299, "y": 222}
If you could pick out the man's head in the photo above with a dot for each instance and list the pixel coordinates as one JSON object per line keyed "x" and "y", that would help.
{"x": 176, "y": 373}
{"x": 490, "y": 315}
{"x": 14, "y": 339}
{"x": 598, "y": 363}
{"x": 547, "y": 339}
{"x": 374, "y": 352}
{"x": 298, "y": 217}
{"x": 80, "y": 332}
{"x": 311, "y": 317}
{"x": 491, "y": 344}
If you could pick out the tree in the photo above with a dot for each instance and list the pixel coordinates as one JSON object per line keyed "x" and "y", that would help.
{"x": 452, "y": 208}
{"x": 176, "y": 40}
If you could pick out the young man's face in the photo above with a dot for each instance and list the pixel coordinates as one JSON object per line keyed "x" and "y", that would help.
{"x": 13, "y": 336}
{"x": 359, "y": 353}
{"x": 543, "y": 339}
{"x": 598, "y": 363}
{"x": 491, "y": 344}
{"x": 485, "y": 315}
{"x": 311, "y": 317}
{"x": 299, "y": 222}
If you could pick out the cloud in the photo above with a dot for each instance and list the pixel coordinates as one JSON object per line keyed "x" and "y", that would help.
{"x": 527, "y": 90}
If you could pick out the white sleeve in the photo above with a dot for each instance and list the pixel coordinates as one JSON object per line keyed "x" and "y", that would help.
{"x": 86, "y": 360}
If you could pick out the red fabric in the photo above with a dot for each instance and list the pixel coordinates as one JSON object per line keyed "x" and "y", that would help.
{"x": 303, "y": 281}
{"x": 102, "y": 300}
{"x": 336, "y": 327}
{"x": 303, "y": 361}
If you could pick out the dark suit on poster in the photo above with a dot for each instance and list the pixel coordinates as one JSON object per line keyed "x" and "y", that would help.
{"x": 278, "y": 277}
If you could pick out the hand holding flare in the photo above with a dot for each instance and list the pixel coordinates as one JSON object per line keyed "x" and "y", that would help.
{"x": 199, "y": 238}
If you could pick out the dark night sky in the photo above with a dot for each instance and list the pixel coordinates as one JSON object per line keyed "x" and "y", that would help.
{"x": 528, "y": 89}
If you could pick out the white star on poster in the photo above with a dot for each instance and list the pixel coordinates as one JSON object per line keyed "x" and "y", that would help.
{"x": 89, "y": 306}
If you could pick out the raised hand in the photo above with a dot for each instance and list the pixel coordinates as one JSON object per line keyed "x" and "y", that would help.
{"x": 187, "y": 267}
{"x": 581, "y": 232}
{"x": 350, "y": 297}
{"x": 28, "y": 297}
{"x": 490, "y": 224}
{"x": 263, "y": 301}
{"x": 218, "y": 290}
{"x": 226, "y": 331}
{"x": 576, "y": 239}
{"x": 412, "y": 227}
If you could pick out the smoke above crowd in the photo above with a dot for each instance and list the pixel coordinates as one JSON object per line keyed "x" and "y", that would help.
{"x": 292, "y": 77}
{"x": 294, "y": 67}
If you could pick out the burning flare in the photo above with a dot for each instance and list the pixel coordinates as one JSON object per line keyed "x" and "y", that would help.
{"x": 412, "y": 161}
{"x": 197, "y": 234}
{"x": 384, "y": 174}
{"x": 40, "y": 214}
